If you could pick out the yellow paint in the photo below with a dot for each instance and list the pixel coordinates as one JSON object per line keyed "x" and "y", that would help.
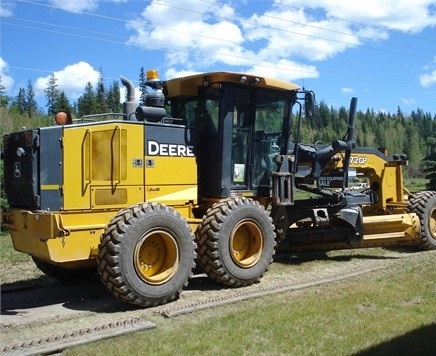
{"x": 188, "y": 86}
{"x": 56, "y": 237}
{"x": 171, "y": 171}
{"x": 388, "y": 175}
{"x": 402, "y": 226}
{"x": 50, "y": 187}
{"x": 100, "y": 157}
{"x": 174, "y": 194}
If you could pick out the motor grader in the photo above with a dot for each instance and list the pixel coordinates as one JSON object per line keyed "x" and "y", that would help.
{"x": 204, "y": 172}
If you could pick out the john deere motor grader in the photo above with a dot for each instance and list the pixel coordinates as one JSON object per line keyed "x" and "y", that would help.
{"x": 204, "y": 172}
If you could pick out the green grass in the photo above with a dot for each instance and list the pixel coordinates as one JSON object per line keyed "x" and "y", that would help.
{"x": 385, "y": 312}
{"x": 7, "y": 252}
{"x": 416, "y": 184}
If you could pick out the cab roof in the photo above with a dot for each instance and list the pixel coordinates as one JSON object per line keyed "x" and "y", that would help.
{"x": 188, "y": 86}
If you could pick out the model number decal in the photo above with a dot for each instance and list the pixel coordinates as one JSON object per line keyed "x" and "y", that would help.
{"x": 169, "y": 149}
{"x": 358, "y": 160}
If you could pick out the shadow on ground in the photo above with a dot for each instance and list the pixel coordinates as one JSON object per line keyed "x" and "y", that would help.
{"x": 417, "y": 342}
{"x": 297, "y": 258}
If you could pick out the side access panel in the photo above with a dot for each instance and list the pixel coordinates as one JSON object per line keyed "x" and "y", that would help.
{"x": 103, "y": 165}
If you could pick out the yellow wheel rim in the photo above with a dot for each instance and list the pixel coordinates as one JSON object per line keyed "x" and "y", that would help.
{"x": 156, "y": 257}
{"x": 246, "y": 244}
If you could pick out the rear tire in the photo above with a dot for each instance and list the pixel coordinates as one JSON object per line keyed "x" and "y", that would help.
{"x": 236, "y": 242}
{"x": 147, "y": 255}
{"x": 65, "y": 274}
{"x": 424, "y": 205}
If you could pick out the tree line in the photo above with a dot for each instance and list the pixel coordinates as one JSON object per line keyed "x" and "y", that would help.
{"x": 98, "y": 100}
{"x": 413, "y": 134}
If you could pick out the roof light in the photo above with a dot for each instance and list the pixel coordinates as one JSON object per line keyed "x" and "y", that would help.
{"x": 152, "y": 74}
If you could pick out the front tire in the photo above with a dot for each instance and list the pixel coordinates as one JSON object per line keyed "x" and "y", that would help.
{"x": 236, "y": 242}
{"x": 424, "y": 205}
{"x": 147, "y": 255}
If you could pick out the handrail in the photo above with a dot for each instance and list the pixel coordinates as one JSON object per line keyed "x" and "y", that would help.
{"x": 118, "y": 128}
{"x": 87, "y": 139}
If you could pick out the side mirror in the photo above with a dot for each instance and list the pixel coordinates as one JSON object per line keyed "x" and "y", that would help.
{"x": 309, "y": 104}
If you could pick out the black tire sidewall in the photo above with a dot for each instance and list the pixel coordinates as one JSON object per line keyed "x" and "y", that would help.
{"x": 430, "y": 206}
{"x": 143, "y": 224}
{"x": 256, "y": 214}
{"x": 65, "y": 274}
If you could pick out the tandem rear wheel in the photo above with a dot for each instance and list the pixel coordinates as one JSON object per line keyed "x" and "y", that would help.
{"x": 147, "y": 255}
{"x": 236, "y": 242}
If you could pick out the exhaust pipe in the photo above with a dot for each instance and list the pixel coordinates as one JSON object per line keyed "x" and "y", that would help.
{"x": 130, "y": 105}
{"x": 350, "y": 140}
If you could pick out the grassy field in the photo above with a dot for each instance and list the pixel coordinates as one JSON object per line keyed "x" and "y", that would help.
{"x": 416, "y": 184}
{"x": 388, "y": 312}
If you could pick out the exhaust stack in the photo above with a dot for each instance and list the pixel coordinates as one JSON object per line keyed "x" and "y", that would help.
{"x": 130, "y": 105}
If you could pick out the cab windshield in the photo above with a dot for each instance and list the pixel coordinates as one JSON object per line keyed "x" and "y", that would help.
{"x": 255, "y": 117}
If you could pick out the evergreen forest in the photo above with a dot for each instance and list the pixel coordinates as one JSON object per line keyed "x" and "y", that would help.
{"x": 413, "y": 134}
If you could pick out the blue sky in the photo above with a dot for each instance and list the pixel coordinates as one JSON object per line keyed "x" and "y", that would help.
{"x": 381, "y": 51}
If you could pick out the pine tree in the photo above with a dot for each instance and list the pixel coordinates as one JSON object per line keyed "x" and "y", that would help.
{"x": 62, "y": 103}
{"x": 113, "y": 98}
{"x": 428, "y": 163}
{"x": 86, "y": 104}
{"x": 51, "y": 93}
{"x": 31, "y": 104}
{"x": 4, "y": 100}
{"x": 19, "y": 102}
{"x": 100, "y": 96}
{"x": 412, "y": 148}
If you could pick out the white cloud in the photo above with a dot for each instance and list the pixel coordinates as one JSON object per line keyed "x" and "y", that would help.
{"x": 72, "y": 79}
{"x": 372, "y": 33}
{"x": 408, "y": 101}
{"x": 200, "y": 34}
{"x": 428, "y": 79}
{"x": 402, "y": 15}
{"x": 285, "y": 70}
{"x": 74, "y": 5}
{"x": 6, "y": 9}
{"x": 7, "y": 80}
{"x": 80, "y": 5}
{"x": 197, "y": 30}
{"x": 346, "y": 90}
{"x": 174, "y": 73}
{"x": 293, "y": 33}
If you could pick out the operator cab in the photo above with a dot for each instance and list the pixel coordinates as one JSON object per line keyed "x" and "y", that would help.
{"x": 242, "y": 124}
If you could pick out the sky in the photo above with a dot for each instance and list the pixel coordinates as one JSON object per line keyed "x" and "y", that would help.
{"x": 381, "y": 51}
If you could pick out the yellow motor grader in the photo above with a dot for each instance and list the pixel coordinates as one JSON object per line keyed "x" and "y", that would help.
{"x": 203, "y": 172}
